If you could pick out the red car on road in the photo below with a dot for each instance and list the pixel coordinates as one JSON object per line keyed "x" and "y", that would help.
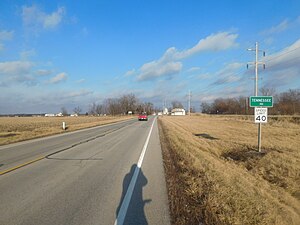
{"x": 143, "y": 116}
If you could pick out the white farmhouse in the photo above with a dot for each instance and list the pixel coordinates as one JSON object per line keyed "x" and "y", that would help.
{"x": 59, "y": 114}
{"x": 165, "y": 111}
{"x": 178, "y": 112}
{"x": 49, "y": 115}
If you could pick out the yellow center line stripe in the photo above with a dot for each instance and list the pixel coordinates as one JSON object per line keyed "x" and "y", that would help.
{"x": 19, "y": 166}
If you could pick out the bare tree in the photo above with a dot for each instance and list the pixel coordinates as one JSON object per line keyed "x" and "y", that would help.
{"x": 96, "y": 109}
{"x": 265, "y": 91}
{"x": 99, "y": 109}
{"x": 148, "y": 106}
{"x": 113, "y": 106}
{"x": 176, "y": 104}
{"x": 77, "y": 110}
{"x": 225, "y": 106}
{"x": 92, "y": 109}
{"x": 128, "y": 103}
{"x": 206, "y": 108}
{"x": 285, "y": 103}
{"x": 64, "y": 111}
{"x": 288, "y": 102}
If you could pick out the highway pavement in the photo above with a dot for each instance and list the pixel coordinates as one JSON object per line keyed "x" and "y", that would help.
{"x": 106, "y": 175}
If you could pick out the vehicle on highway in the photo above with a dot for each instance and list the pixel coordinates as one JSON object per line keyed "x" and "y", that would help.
{"x": 143, "y": 116}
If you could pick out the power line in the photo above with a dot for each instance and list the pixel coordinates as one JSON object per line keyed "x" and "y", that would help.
{"x": 285, "y": 53}
{"x": 211, "y": 88}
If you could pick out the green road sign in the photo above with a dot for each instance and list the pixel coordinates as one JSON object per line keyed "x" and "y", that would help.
{"x": 261, "y": 101}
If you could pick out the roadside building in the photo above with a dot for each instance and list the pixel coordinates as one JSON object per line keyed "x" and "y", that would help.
{"x": 178, "y": 112}
{"x": 59, "y": 114}
{"x": 165, "y": 111}
{"x": 49, "y": 114}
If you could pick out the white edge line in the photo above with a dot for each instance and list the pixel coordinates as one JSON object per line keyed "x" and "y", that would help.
{"x": 123, "y": 210}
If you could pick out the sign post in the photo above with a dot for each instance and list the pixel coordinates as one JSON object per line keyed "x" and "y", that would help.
{"x": 260, "y": 112}
{"x": 259, "y": 101}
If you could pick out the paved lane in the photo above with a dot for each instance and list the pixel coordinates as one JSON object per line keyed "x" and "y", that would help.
{"x": 16, "y": 154}
{"x": 86, "y": 183}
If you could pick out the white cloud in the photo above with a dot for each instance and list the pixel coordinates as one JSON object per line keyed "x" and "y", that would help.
{"x": 228, "y": 74}
{"x": 215, "y": 42}
{"x": 158, "y": 69}
{"x": 269, "y": 40}
{"x": 6, "y": 35}
{"x": 58, "y": 78}
{"x": 284, "y": 59}
{"x": 43, "y": 72}
{"x": 278, "y": 28}
{"x": 80, "y": 81}
{"x": 54, "y": 18}
{"x": 227, "y": 79}
{"x": 282, "y": 68}
{"x": 204, "y": 76}
{"x": 230, "y": 68}
{"x": 16, "y": 72}
{"x": 193, "y": 69}
{"x": 34, "y": 17}
{"x": 169, "y": 64}
{"x": 229, "y": 92}
{"x": 25, "y": 55}
{"x": 282, "y": 26}
{"x": 26, "y": 99}
{"x": 15, "y": 67}
{"x": 129, "y": 73}
{"x": 77, "y": 94}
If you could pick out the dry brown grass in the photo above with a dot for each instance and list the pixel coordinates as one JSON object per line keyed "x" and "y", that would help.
{"x": 15, "y": 129}
{"x": 215, "y": 175}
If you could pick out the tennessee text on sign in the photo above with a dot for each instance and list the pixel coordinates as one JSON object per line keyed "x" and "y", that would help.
{"x": 261, "y": 101}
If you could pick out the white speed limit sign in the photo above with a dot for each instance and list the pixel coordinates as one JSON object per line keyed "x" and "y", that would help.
{"x": 261, "y": 115}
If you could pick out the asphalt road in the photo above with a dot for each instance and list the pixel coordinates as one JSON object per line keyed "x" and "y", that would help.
{"x": 86, "y": 178}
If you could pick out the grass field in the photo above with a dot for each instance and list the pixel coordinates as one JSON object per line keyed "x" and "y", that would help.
{"x": 15, "y": 129}
{"x": 216, "y": 176}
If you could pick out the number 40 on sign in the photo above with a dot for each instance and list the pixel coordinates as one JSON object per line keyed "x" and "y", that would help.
{"x": 261, "y": 115}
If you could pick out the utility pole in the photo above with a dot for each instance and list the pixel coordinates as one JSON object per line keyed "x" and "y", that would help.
{"x": 246, "y": 106}
{"x": 189, "y": 105}
{"x": 256, "y": 63}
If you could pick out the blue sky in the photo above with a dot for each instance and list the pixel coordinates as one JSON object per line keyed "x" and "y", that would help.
{"x": 57, "y": 54}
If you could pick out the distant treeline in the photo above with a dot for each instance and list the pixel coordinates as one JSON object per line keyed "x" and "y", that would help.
{"x": 22, "y": 115}
{"x": 118, "y": 106}
{"x": 285, "y": 103}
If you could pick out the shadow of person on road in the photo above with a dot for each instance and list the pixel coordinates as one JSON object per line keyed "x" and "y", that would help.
{"x": 135, "y": 212}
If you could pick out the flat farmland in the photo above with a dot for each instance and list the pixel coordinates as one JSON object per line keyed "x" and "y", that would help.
{"x": 15, "y": 129}
{"x": 216, "y": 176}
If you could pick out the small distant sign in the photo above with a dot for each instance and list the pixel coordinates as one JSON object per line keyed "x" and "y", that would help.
{"x": 261, "y": 101}
{"x": 261, "y": 115}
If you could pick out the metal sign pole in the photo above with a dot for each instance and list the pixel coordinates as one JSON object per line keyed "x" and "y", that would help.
{"x": 256, "y": 93}
{"x": 259, "y": 137}
{"x": 256, "y": 88}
